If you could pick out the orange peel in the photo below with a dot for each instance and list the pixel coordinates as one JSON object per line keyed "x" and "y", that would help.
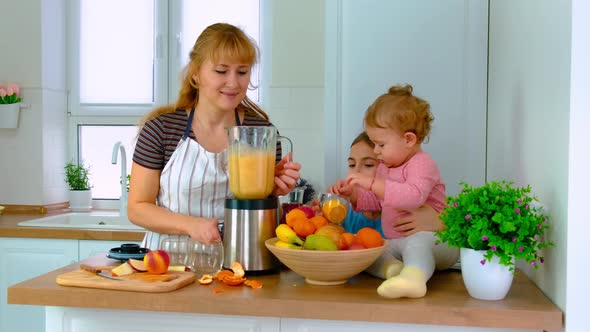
{"x": 253, "y": 283}
{"x": 206, "y": 279}
{"x": 238, "y": 269}
{"x": 233, "y": 280}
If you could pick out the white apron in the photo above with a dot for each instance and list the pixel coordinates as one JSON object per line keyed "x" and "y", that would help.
{"x": 194, "y": 182}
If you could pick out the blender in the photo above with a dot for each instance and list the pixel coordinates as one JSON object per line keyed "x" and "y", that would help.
{"x": 251, "y": 215}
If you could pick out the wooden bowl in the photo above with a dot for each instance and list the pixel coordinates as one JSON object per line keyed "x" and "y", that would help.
{"x": 325, "y": 267}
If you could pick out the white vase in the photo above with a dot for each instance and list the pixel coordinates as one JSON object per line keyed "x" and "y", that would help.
{"x": 80, "y": 200}
{"x": 488, "y": 281}
{"x": 9, "y": 115}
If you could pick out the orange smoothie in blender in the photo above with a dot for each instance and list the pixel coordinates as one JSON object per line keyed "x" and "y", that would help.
{"x": 251, "y": 173}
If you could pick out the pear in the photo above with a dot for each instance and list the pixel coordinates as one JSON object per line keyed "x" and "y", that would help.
{"x": 319, "y": 242}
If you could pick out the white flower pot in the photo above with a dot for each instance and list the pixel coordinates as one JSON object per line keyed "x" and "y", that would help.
{"x": 488, "y": 281}
{"x": 80, "y": 200}
{"x": 9, "y": 115}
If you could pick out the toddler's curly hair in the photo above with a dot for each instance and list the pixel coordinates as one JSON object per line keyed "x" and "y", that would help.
{"x": 400, "y": 110}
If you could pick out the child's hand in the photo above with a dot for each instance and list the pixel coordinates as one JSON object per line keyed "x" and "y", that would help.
{"x": 360, "y": 180}
{"x": 338, "y": 188}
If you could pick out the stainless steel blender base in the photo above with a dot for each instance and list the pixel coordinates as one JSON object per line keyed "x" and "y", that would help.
{"x": 247, "y": 225}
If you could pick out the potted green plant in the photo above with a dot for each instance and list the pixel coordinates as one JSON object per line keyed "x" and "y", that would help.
{"x": 80, "y": 195}
{"x": 494, "y": 225}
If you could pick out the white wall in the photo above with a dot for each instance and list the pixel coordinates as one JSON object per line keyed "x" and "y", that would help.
{"x": 439, "y": 47}
{"x": 528, "y": 115}
{"x": 578, "y": 227}
{"x": 33, "y": 155}
{"x": 295, "y": 85}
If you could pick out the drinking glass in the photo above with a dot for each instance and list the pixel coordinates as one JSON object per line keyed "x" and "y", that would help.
{"x": 292, "y": 200}
{"x": 334, "y": 207}
{"x": 205, "y": 258}
{"x": 177, "y": 247}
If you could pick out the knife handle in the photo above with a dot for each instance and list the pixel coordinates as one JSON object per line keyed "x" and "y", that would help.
{"x": 95, "y": 269}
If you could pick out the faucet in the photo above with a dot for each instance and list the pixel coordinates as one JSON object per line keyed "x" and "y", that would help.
{"x": 123, "y": 201}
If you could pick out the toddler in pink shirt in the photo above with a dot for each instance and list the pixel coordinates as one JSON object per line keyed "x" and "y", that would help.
{"x": 406, "y": 178}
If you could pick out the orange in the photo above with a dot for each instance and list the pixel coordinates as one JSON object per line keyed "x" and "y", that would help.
{"x": 369, "y": 237}
{"x": 303, "y": 227}
{"x": 294, "y": 214}
{"x": 319, "y": 221}
{"x": 348, "y": 238}
{"x": 334, "y": 211}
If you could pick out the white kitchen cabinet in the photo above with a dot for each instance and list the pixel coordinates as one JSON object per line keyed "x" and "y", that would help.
{"x": 89, "y": 248}
{"x": 25, "y": 258}
{"x": 67, "y": 319}
{"x": 22, "y": 259}
{"x": 62, "y": 319}
{"x": 315, "y": 325}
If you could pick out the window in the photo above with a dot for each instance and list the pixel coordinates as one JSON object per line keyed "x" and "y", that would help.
{"x": 126, "y": 61}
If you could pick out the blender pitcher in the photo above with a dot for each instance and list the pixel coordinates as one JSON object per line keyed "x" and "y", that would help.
{"x": 251, "y": 154}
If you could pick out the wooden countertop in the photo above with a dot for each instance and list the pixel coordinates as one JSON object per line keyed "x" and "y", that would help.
{"x": 9, "y": 228}
{"x": 286, "y": 294}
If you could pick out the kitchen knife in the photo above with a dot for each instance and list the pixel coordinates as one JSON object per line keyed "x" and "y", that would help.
{"x": 103, "y": 271}
{"x": 108, "y": 275}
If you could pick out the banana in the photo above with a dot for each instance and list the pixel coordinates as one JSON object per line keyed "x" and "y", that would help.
{"x": 283, "y": 244}
{"x": 287, "y": 234}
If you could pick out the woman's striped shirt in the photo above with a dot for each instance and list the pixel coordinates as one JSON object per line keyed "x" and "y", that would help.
{"x": 160, "y": 136}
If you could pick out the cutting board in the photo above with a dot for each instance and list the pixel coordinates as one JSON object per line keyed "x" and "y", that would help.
{"x": 136, "y": 282}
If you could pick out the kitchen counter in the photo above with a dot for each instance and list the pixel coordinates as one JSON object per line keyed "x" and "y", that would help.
{"x": 9, "y": 228}
{"x": 286, "y": 295}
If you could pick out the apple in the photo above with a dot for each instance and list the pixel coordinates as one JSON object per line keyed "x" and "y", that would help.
{"x": 309, "y": 213}
{"x": 157, "y": 261}
{"x": 122, "y": 270}
{"x": 137, "y": 265}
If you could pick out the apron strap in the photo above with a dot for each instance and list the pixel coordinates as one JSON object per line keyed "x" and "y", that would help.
{"x": 237, "y": 118}
{"x": 187, "y": 130}
{"x": 189, "y": 124}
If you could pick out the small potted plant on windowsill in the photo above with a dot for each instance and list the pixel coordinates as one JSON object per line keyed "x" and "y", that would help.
{"x": 80, "y": 193}
{"x": 494, "y": 225}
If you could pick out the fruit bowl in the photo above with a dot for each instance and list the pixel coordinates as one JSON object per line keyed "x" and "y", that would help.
{"x": 325, "y": 267}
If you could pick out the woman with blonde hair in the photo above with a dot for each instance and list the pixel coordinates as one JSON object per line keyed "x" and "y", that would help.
{"x": 179, "y": 175}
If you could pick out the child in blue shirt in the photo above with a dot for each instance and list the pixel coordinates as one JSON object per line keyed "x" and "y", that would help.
{"x": 362, "y": 160}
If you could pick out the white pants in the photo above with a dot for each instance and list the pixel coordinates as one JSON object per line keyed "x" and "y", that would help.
{"x": 418, "y": 250}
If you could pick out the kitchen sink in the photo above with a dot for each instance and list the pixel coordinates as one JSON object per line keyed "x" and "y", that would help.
{"x": 85, "y": 220}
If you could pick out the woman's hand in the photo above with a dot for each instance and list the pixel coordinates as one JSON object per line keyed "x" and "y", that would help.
{"x": 286, "y": 175}
{"x": 204, "y": 230}
{"x": 424, "y": 218}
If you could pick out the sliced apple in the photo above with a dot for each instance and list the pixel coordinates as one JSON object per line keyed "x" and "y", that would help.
{"x": 180, "y": 268}
{"x": 122, "y": 270}
{"x": 137, "y": 265}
